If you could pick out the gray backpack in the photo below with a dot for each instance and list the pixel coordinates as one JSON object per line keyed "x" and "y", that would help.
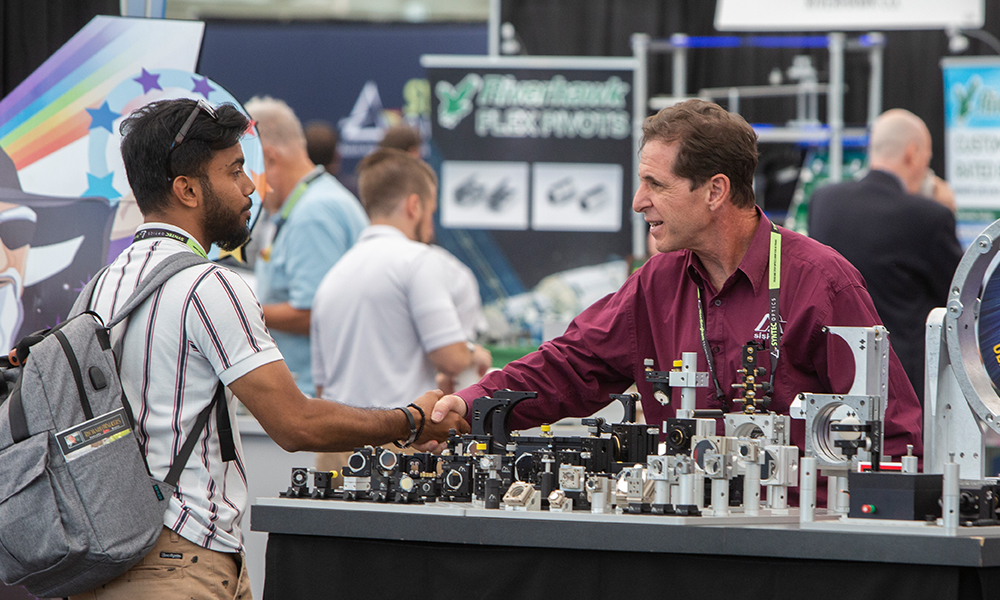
{"x": 78, "y": 506}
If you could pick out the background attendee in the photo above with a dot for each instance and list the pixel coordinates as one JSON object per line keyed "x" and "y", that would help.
{"x": 696, "y": 191}
{"x": 384, "y": 321}
{"x": 402, "y": 137}
{"x": 903, "y": 242}
{"x": 314, "y": 219}
{"x": 321, "y": 144}
{"x": 203, "y": 328}
{"x": 461, "y": 281}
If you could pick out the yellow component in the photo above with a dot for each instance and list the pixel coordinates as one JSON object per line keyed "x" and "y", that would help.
{"x": 334, "y": 474}
{"x": 481, "y": 446}
{"x": 546, "y": 428}
{"x": 678, "y": 364}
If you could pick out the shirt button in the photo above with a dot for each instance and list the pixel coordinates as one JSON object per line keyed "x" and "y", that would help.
{"x": 718, "y": 302}
{"x": 716, "y": 350}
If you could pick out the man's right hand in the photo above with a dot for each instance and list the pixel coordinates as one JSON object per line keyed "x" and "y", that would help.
{"x": 436, "y": 429}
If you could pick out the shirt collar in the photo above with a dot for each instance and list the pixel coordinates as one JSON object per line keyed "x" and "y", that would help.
{"x": 373, "y": 231}
{"x": 169, "y": 227}
{"x": 754, "y": 263}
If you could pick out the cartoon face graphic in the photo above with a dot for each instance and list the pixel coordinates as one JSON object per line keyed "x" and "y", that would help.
{"x": 17, "y": 227}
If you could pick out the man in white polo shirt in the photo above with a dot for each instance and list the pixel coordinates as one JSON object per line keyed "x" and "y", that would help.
{"x": 185, "y": 166}
{"x": 384, "y": 312}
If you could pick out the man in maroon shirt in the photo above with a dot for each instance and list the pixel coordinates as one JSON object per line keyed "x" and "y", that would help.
{"x": 696, "y": 172}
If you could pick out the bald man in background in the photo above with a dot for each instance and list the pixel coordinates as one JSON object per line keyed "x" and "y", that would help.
{"x": 896, "y": 226}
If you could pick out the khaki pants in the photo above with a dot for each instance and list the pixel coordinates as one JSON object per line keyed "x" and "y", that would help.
{"x": 177, "y": 568}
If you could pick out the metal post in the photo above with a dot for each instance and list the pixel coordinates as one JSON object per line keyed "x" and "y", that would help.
{"x": 910, "y": 462}
{"x": 835, "y": 107}
{"x": 494, "y": 28}
{"x": 833, "y": 489}
{"x": 807, "y": 490}
{"x": 679, "y": 41}
{"x": 751, "y": 489}
{"x": 689, "y": 394}
{"x": 720, "y": 497}
{"x": 686, "y": 497}
{"x": 875, "y": 76}
{"x": 640, "y": 51}
{"x": 949, "y": 497}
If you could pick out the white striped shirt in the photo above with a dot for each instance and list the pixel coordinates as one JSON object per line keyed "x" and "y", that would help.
{"x": 202, "y": 326}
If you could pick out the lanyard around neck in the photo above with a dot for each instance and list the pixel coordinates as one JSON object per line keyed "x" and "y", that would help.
{"x": 296, "y": 195}
{"x": 145, "y": 234}
{"x": 774, "y": 326}
{"x": 286, "y": 209}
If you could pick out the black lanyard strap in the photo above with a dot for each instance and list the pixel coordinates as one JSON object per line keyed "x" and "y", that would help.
{"x": 774, "y": 318}
{"x": 152, "y": 232}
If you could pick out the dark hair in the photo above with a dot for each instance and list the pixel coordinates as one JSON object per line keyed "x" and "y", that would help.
{"x": 149, "y": 132}
{"x": 401, "y": 137}
{"x": 321, "y": 142}
{"x": 712, "y": 141}
{"x": 387, "y": 176}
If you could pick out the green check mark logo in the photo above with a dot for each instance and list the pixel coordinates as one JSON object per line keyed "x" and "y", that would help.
{"x": 965, "y": 95}
{"x": 456, "y": 100}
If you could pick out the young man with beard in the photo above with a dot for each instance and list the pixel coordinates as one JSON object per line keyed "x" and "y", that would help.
{"x": 185, "y": 166}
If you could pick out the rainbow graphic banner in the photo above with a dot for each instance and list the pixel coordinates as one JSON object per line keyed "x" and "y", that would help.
{"x": 64, "y": 196}
{"x": 60, "y": 126}
{"x": 49, "y": 112}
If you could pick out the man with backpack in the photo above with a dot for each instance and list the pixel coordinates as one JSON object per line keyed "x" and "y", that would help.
{"x": 203, "y": 326}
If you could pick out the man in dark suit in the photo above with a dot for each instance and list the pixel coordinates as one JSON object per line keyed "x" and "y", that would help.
{"x": 897, "y": 227}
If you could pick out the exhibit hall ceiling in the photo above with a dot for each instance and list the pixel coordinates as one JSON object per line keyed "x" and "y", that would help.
{"x": 369, "y": 10}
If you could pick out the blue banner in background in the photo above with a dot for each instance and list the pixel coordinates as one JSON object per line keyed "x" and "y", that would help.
{"x": 360, "y": 77}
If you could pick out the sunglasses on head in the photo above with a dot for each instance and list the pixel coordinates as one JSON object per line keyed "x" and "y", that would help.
{"x": 202, "y": 105}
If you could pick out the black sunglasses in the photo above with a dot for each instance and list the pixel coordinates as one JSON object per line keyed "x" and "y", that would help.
{"x": 17, "y": 227}
{"x": 182, "y": 133}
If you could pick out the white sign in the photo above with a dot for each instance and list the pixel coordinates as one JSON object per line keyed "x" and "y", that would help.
{"x": 847, "y": 15}
{"x": 484, "y": 195}
{"x": 576, "y": 197}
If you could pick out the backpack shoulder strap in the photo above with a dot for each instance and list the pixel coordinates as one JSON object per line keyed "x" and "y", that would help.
{"x": 180, "y": 460}
{"x": 170, "y": 266}
{"x": 167, "y": 268}
{"x": 82, "y": 303}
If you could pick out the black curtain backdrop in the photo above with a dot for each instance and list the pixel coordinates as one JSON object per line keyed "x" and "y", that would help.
{"x": 912, "y": 73}
{"x": 32, "y": 30}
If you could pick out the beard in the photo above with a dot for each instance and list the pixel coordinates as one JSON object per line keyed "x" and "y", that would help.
{"x": 425, "y": 234}
{"x": 224, "y": 227}
{"x": 11, "y": 309}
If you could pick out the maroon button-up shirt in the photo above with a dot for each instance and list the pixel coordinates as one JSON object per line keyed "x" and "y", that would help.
{"x": 655, "y": 315}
